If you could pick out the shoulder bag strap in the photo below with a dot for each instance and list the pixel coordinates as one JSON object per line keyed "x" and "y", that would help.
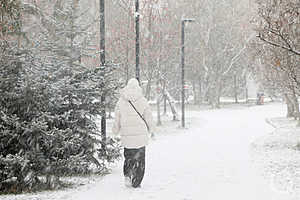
{"x": 139, "y": 114}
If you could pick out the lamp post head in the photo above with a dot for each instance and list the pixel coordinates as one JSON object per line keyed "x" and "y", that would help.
{"x": 188, "y": 19}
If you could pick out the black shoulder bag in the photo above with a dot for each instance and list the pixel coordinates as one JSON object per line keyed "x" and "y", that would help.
{"x": 139, "y": 115}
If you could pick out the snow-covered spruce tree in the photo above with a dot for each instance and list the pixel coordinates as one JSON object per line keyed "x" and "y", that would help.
{"x": 21, "y": 127}
{"x": 47, "y": 121}
{"x": 17, "y": 109}
{"x": 65, "y": 38}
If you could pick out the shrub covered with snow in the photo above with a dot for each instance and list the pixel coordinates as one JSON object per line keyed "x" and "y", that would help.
{"x": 48, "y": 107}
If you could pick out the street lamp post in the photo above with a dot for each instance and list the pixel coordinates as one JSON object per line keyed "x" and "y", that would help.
{"x": 102, "y": 68}
{"x": 137, "y": 40}
{"x": 183, "y": 21}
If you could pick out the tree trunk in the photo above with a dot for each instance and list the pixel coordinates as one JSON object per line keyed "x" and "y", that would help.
{"x": 235, "y": 90}
{"x": 246, "y": 89}
{"x": 219, "y": 93}
{"x": 172, "y": 106}
{"x": 290, "y": 106}
{"x": 52, "y": 181}
{"x": 200, "y": 92}
{"x": 246, "y": 94}
{"x": 218, "y": 104}
{"x": 148, "y": 90}
{"x": 296, "y": 105}
{"x": 297, "y": 112}
{"x": 165, "y": 98}
{"x": 195, "y": 92}
{"x": 158, "y": 104}
{"x": 212, "y": 97}
{"x": 109, "y": 112}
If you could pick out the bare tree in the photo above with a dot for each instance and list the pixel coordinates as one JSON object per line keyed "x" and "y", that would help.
{"x": 279, "y": 24}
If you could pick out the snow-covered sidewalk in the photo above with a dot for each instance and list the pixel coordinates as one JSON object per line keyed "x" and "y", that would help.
{"x": 277, "y": 155}
{"x": 210, "y": 160}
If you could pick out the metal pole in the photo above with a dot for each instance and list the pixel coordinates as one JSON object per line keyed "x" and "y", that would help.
{"x": 182, "y": 75}
{"x": 102, "y": 67}
{"x": 137, "y": 40}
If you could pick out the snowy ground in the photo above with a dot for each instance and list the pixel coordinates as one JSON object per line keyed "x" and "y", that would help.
{"x": 277, "y": 155}
{"x": 212, "y": 159}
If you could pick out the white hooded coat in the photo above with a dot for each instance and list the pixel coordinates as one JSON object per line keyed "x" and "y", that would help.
{"x": 128, "y": 123}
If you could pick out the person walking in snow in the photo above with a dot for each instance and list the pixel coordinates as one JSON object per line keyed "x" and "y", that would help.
{"x": 134, "y": 123}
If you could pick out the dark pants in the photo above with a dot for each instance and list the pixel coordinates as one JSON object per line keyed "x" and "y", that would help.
{"x": 134, "y": 165}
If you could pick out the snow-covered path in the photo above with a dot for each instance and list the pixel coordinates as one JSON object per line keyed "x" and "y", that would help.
{"x": 209, "y": 160}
